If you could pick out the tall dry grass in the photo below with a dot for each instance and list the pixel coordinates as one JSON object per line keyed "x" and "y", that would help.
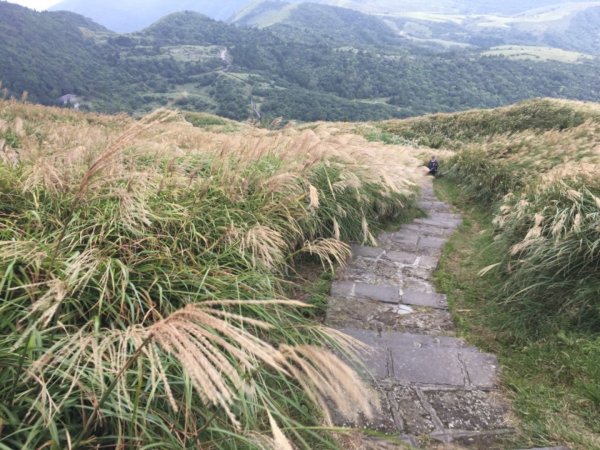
{"x": 142, "y": 267}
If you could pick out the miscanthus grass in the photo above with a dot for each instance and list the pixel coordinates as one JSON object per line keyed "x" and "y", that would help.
{"x": 552, "y": 258}
{"x": 142, "y": 267}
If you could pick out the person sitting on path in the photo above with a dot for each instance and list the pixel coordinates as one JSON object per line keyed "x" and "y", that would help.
{"x": 433, "y": 166}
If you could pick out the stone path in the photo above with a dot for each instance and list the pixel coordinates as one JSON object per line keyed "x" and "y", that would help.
{"x": 434, "y": 388}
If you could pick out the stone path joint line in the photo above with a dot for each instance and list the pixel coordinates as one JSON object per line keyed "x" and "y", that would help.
{"x": 434, "y": 388}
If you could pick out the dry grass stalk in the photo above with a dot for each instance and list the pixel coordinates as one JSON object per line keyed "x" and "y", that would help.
{"x": 329, "y": 382}
{"x": 330, "y": 251}
{"x": 198, "y": 336}
{"x": 265, "y": 244}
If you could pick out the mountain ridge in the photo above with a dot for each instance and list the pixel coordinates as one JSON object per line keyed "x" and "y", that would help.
{"x": 301, "y": 72}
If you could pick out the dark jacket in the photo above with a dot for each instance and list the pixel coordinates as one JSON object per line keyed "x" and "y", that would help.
{"x": 433, "y": 165}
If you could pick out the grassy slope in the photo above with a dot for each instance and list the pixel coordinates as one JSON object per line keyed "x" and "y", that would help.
{"x": 552, "y": 381}
{"x": 114, "y": 234}
{"x": 526, "y": 180}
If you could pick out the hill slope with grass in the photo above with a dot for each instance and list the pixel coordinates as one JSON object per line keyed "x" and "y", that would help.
{"x": 522, "y": 273}
{"x": 144, "y": 271}
{"x": 127, "y": 246}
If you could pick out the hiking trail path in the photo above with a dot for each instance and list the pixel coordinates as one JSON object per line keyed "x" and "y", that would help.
{"x": 434, "y": 388}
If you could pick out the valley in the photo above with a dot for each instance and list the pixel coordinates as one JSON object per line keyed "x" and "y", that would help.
{"x": 312, "y": 62}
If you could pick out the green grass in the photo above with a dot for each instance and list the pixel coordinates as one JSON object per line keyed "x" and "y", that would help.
{"x": 537, "y": 53}
{"x": 453, "y": 131}
{"x": 551, "y": 377}
{"x": 140, "y": 289}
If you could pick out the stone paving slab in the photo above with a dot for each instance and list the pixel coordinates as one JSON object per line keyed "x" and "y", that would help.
{"x": 377, "y": 272}
{"x": 413, "y": 417}
{"x": 450, "y": 224}
{"x": 480, "y": 440}
{"x": 380, "y": 292}
{"x": 433, "y": 205}
{"x": 417, "y": 271}
{"x": 404, "y": 237}
{"x": 407, "y": 258}
{"x": 431, "y": 242}
{"x": 443, "y": 216}
{"x": 433, "y": 300}
{"x": 411, "y": 340}
{"x": 417, "y": 284}
{"x": 429, "y": 230}
{"x": 367, "y": 252}
{"x": 342, "y": 289}
{"x": 376, "y": 316}
{"x": 428, "y": 262}
{"x": 427, "y": 365}
{"x": 481, "y": 368}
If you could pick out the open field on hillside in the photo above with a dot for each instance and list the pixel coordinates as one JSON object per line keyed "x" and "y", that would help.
{"x": 537, "y": 53}
{"x": 144, "y": 267}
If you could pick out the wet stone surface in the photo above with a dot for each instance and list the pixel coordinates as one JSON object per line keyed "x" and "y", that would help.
{"x": 434, "y": 388}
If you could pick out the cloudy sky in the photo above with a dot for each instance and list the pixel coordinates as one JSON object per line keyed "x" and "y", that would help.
{"x": 36, "y": 4}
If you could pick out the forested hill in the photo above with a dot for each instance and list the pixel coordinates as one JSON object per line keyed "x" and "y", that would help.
{"x": 330, "y": 64}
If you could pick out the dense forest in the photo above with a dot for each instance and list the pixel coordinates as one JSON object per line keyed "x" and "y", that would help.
{"x": 290, "y": 71}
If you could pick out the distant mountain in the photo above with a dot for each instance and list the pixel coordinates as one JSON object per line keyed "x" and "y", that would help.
{"x": 320, "y": 23}
{"x": 49, "y": 55}
{"x": 131, "y": 15}
{"x": 316, "y": 62}
{"x": 570, "y": 26}
{"x": 439, "y": 24}
{"x": 134, "y": 15}
{"x": 399, "y": 7}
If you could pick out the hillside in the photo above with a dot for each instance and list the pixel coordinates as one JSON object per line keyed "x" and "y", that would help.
{"x": 321, "y": 24}
{"x": 129, "y": 245}
{"x": 51, "y": 56}
{"x": 296, "y": 70}
{"x": 522, "y": 271}
{"x": 150, "y": 261}
{"x": 568, "y": 26}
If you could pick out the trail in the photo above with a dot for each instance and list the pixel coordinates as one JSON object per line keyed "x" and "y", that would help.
{"x": 435, "y": 388}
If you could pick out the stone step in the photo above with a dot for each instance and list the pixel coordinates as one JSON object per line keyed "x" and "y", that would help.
{"x": 367, "y": 252}
{"x": 377, "y": 316}
{"x": 381, "y": 292}
{"x": 449, "y": 224}
{"x": 417, "y": 298}
{"x": 428, "y": 230}
{"x": 368, "y": 257}
{"x": 409, "y": 291}
{"x": 426, "y": 360}
{"x": 471, "y": 418}
{"x": 432, "y": 204}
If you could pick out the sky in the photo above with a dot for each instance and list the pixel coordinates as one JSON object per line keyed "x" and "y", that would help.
{"x": 35, "y": 4}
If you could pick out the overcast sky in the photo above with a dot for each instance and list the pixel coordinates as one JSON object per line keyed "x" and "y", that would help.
{"x": 36, "y": 4}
